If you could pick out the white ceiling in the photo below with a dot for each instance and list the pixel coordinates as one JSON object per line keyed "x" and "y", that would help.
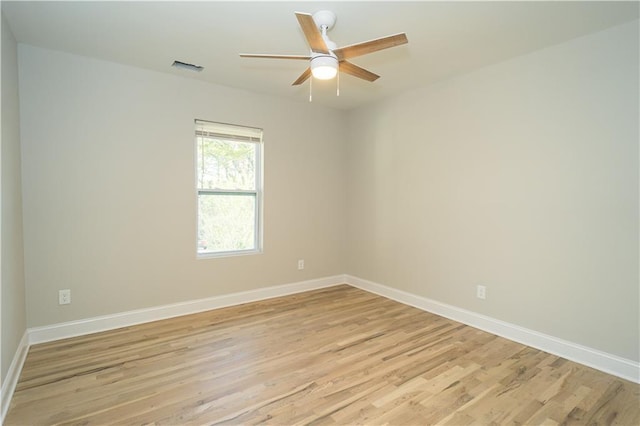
{"x": 445, "y": 38}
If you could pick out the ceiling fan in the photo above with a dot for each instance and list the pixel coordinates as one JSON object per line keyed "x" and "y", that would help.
{"x": 325, "y": 58}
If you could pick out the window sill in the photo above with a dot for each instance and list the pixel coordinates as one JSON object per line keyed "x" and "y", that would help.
{"x": 204, "y": 256}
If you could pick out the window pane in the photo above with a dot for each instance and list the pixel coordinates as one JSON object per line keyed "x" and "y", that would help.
{"x": 227, "y": 222}
{"x": 226, "y": 164}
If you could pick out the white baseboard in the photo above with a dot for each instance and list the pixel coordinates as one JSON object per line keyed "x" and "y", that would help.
{"x": 608, "y": 363}
{"x": 124, "y": 319}
{"x": 11, "y": 380}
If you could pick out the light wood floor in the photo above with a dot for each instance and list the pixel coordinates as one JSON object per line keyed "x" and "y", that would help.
{"x": 332, "y": 356}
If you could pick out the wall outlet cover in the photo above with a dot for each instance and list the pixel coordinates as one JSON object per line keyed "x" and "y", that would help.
{"x": 64, "y": 297}
{"x": 481, "y": 292}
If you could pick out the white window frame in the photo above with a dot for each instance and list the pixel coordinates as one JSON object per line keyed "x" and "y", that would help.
{"x": 232, "y": 133}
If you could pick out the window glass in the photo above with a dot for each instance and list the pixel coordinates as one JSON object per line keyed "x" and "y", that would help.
{"x": 229, "y": 188}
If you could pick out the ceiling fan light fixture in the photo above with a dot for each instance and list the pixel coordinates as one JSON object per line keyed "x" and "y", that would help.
{"x": 324, "y": 67}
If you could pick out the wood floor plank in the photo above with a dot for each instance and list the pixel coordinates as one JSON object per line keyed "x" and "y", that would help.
{"x": 332, "y": 356}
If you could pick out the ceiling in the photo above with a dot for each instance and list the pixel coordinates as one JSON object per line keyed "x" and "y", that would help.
{"x": 445, "y": 38}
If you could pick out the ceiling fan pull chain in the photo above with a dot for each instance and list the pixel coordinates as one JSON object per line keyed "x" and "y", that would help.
{"x": 311, "y": 89}
{"x": 338, "y": 81}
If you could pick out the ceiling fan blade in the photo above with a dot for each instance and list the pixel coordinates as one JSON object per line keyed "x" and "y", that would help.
{"x": 261, "y": 55}
{"x": 303, "y": 77}
{"x": 356, "y": 71}
{"x": 311, "y": 32}
{"x": 370, "y": 46}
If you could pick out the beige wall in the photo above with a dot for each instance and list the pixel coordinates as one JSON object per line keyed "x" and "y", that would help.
{"x": 522, "y": 177}
{"x": 12, "y": 291}
{"x": 109, "y": 199}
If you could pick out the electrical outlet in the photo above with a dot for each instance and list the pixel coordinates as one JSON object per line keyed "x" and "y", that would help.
{"x": 300, "y": 264}
{"x": 481, "y": 292}
{"x": 64, "y": 297}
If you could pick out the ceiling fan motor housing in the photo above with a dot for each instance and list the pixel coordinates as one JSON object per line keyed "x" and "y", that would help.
{"x": 324, "y": 18}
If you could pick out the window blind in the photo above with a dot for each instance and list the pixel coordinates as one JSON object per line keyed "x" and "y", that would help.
{"x": 213, "y": 130}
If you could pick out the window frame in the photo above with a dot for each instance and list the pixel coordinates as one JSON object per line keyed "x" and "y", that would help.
{"x": 257, "y": 193}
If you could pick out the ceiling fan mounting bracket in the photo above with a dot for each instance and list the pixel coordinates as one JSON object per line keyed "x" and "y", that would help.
{"x": 324, "y": 18}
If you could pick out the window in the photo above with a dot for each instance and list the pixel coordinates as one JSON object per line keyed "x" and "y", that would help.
{"x": 229, "y": 186}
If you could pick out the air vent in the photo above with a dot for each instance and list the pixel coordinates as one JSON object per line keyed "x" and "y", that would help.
{"x": 186, "y": 66}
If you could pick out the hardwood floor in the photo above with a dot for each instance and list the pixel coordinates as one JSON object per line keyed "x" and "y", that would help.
{"x": 333, "y": 356}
